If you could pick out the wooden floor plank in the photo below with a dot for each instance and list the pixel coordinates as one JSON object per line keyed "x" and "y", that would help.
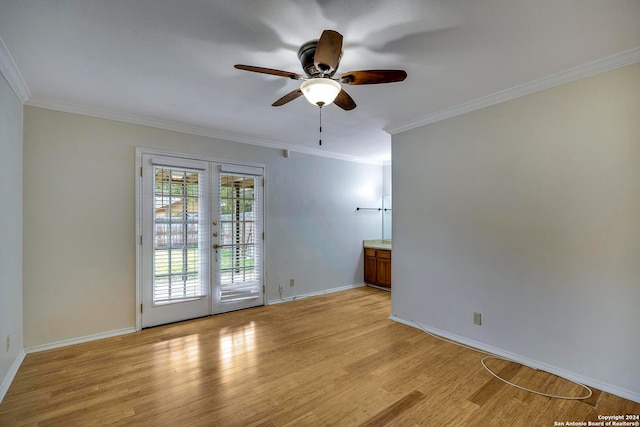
{"x": 395, "y": 410}
{"x": 485, "y": 393}
{"x": 334, "y": 359}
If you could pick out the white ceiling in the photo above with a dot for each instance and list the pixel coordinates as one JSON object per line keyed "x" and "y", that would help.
{"x": 170, "y": 62}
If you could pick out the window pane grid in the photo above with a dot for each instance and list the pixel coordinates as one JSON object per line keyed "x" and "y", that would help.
{"x": 239, "y": 272}
{"x": 177, "y": 255}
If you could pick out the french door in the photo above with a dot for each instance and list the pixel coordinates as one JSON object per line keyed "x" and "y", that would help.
{"x": 202, "y": 241}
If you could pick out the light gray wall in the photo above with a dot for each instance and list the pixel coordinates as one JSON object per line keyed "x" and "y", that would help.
{"x": 79, "y": 219}
{"x": 315, "y": 232}
{"x": 10, "y": 227}
{"x": 529, "y": 212}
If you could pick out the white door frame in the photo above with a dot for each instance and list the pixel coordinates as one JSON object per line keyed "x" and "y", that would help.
{"x": 139, "y": 226}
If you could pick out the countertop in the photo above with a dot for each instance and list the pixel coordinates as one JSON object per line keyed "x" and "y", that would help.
{"x": 377, "y": 244}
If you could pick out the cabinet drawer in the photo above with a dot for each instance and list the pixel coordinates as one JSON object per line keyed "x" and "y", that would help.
{"x": 369, "y": 252}
{"x": 383, "y": 254}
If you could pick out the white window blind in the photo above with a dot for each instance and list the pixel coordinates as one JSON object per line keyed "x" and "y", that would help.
{"x": 240, "y": 249}
{"x": 178, "y": 237}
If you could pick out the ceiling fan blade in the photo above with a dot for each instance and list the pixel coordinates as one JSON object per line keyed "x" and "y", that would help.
{"x": 288, "y": 97}
{"x": 344, "y": 101}
{"x": 289, "y": 74}
{"x": 328, "y": 51}
{"x": 369, "y": 77}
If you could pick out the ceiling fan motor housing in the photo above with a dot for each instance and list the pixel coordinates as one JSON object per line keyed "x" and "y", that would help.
{"x": 306, "y": 55}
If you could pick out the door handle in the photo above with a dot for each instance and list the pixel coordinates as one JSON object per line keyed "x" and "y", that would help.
{"x": 215, "y": 247}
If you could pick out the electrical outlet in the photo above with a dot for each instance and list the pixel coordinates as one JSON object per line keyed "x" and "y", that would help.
{"x": 8, "y": 343}
{"x": 477, "y": 318}
{"x": 292, "y": 282}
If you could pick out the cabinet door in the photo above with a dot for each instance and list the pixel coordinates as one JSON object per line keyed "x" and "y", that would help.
{"x": 383, "y": 268}
{"x": 370, "y": 275}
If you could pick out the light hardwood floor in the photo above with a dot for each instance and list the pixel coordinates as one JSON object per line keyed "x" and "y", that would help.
{"x": 334, "y": 360}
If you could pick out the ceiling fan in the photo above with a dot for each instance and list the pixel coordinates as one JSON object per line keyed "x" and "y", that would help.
{"x": 320, "y": 59}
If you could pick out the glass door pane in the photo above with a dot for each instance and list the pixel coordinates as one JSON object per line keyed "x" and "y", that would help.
{"x": 177, "y": 251}
{"x": 176, "y": 202}
{"x": 239, "y": 246}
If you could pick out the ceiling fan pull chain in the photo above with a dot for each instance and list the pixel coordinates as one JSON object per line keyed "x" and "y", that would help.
{"x": 320, "y": 124}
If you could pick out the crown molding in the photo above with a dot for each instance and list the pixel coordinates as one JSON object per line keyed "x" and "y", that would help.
{"x": 137, "y": 119}
{"x": 10, "y": 71}
{"x": 602, "y": 65}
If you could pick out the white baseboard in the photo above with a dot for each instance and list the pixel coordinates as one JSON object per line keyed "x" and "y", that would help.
{"x": 313, "y": 294}
{"x": 79, "y": 340}
{"x": 13, "y": 370}
{"x": 572, "y": 376}
{"x": 382, "y": 288}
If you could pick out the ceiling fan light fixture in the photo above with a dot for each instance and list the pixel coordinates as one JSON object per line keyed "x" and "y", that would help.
{"x": 320, "y": 91}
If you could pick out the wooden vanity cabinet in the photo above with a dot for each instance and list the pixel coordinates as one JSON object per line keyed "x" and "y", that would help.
{"x": 383, "y": 268}
{"x": 377, "y": 267}
{"x": 370, "y": 266}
